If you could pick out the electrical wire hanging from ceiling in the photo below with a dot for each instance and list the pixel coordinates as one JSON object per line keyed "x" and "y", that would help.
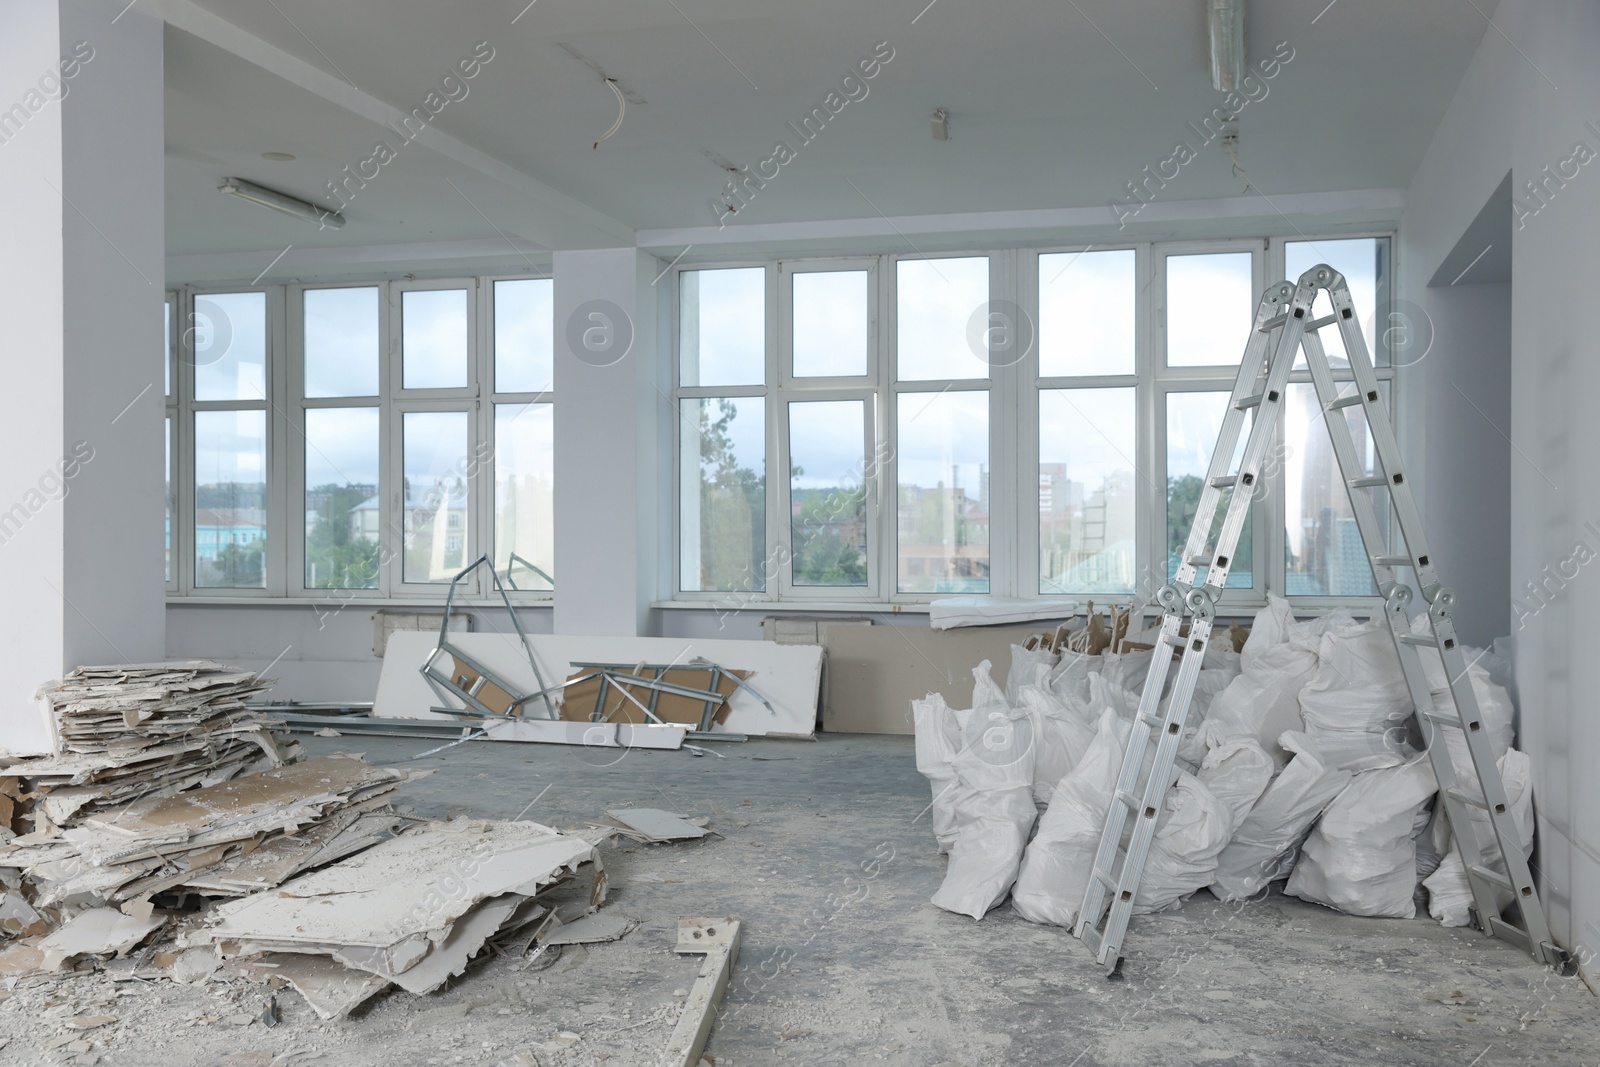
{"x": 622, "y": 110}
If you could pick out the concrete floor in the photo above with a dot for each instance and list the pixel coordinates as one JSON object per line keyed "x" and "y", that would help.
{"x": 827, "y": 860}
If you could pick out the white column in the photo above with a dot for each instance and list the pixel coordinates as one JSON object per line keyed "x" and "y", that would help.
{"x": 612, "y": 472}
{"x": 81, "y": 276}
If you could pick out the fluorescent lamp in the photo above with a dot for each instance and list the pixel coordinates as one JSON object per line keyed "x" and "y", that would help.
{"x": 300, "y": 209}
{"x": 1225, "y": 25}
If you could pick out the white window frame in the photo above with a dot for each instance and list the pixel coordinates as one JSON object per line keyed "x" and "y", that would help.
{"x": 1014, "y": 427}
{"x": 285, "y": 404}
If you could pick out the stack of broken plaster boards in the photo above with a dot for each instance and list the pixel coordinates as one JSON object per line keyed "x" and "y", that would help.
{"x": 124, "y": 732}
{"x": 411, "y": 911}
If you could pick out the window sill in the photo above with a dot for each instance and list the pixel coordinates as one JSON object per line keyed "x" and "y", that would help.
{"x": 321, "y": 602}
{"x": 800, "y": 607}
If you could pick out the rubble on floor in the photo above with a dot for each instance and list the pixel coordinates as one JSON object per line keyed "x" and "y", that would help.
{"x": 1297, "y": 763}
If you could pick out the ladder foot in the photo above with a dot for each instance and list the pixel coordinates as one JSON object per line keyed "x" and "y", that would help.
{"x": 1114, "y": 972}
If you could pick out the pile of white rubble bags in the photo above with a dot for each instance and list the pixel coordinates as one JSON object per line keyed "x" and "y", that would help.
{"x": 1297, "y": 763}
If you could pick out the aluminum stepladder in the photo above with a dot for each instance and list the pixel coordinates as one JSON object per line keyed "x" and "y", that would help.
{"x": 1284, "y": 326}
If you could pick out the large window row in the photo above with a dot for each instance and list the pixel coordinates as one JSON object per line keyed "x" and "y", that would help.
{"x": 359, "y": 440}
{"x": 1013, "y": 423}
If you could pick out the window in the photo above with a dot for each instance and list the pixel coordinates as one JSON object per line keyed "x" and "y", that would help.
{"x": 362, "y": 440}
{"x": 1025, "y": 423}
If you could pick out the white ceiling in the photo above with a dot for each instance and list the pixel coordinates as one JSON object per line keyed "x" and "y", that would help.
{"x": 1048, "y": 109}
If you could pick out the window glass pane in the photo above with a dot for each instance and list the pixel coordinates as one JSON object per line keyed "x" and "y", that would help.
{"x": 1086, "y": 313}
{"x": 524, "y": 325}
{"x": 943, "y": 461}
{"x": 229, "y": 338}
{"x": 433, "y": 338}
{"x": 1323, "y": 552}
{"x": 1363, "y": 262}
{"x": 344, "y": 512}
{"x": 1193, "y": 422}
{"x": 169, "y": 498}
{"x": 939, "y": 315}
{"x": 435, "y": 444}
{"x": 724, "y": 494}
{"x": 722, "y": 326}
{"x": 230, "y": 499}
{"x": 1087, "y": 489}
{"x": 524, "y": 471}
{"x": 1210, "y": 309}
{"x": 341, "y": 341}
{"x": 831, "y": 324}
{"x": 827, "y": 495}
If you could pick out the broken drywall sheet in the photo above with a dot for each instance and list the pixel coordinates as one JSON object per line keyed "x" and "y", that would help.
{"x": 589, "y": 930}
{"x": 653, "y": 825}
{"x": 786, "y": 675}
{"x": 96, "y": 932}
{"x": 419, "y": 882}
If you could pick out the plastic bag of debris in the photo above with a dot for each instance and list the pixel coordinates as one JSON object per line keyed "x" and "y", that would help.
{"x": 1360, "y": 858}
{"x": 1069, "y": 678}
{"x": 1129, "y": 669}
{"x": 1191, "y": 831}
{"x": 1495, "y": 710}
{"x": 1055, "y": 870}
{"x": 995, "y": 810}
{"x": 1449, "y": 893}
{"x": 1262, "y": 703}
{"x": 1358, "y": 688}
{"x": 1265, "y": 845}
{"x": 1063, "y": 735}
{"x": 1237, "y": 773}
{"x": 1105, "y": 693}
{"x": 939, "y": 730}
{"x": 1029, "y": 666}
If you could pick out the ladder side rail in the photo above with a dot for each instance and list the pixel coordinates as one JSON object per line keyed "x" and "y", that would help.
{"x": 1250, "y": 370}
{"x": 1133, "y": 757}
{"x": 1155, "y": 791}
{"x": 1262, "y": 430}
{"x": 1441, "y": 604}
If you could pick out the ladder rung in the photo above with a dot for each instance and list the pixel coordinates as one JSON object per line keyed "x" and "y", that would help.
{"x": 1175, "y": 640}
{"x": 1128, "y": 800}
{"x": 1424, "y": 640}
{"x": 1326, "y": 320}
{"x": 1345, "y": 402}
{"x": 1106, "y": 880}
{"x": 1273, "y": 323}
{"x": 1152, "y": 721}
{"x": 1441, "y": 720}
{"x": 1227, "y": 481}
{"x": 1200, "y": 561}
{"x": 1254, "y": 400}
{"x": 1368, "y": 483}
{"x": 1507, "y": 932}
{"x": 1494, "y": 877}
{"x": 1467, "y": 798}
{"x": 1393, "y": 561}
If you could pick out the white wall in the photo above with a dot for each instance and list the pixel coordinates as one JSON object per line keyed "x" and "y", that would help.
{"x": 1522, "y": 106}
{"x": 80, "y": 573}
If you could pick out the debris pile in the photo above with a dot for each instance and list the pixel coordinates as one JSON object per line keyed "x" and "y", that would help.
{"x": 129, "y": 732}
{"x": 1300, "y": 761}
{"x": 411, "y": 911}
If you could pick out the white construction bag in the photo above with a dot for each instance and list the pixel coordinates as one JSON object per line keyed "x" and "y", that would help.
{"x": 1069, "y": 678}
{"x": 1191, "y": 831}
{"x": 1449, "y": 894}
{"x": 1129, "y": 669}
{"x": 1494, "y": 705}
{"x": 1055, "y": 870}
{"x": 1237, "y": 772}
{"x": 1265, "y": 845}
{"x": 1261, "y": 703}
{"x": 1062, "y": 735}
{"x": 1358, "y": 688}
{"x": 995, "y": 811}
{"x": 939, "y": 731}
{"x": 1360, "y": 858}
{"x": 1028, "y": 667}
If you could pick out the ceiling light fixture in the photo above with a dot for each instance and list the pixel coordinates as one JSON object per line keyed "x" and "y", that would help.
{"x": 300, "y": 209}
{"x": 1225, "y": 26}
{"x": 278, "y": 157}
{"x": 941, "y": 124}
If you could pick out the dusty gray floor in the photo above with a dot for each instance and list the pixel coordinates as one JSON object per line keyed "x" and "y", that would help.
{"x": 825, "y": 860}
